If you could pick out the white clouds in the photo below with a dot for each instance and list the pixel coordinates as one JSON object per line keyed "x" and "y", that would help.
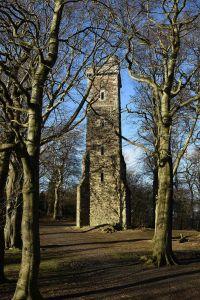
{"x": 132, "y": 156}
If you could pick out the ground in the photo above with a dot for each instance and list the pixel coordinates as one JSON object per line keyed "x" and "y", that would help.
{"x": 90, "y": 264}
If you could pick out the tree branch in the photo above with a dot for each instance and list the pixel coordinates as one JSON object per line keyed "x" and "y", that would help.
{"x": 183, "y": 150}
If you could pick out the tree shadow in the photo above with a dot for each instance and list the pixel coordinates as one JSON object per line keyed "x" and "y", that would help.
{"x": 62, "y": 275}
{"x": 92, "y": 243}
{"x": 188, "y": 256}
{"x": 98, "y": 292}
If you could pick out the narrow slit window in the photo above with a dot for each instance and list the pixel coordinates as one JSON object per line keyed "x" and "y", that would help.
{"x": 102, "y": 177}
{"x": 102, "y": 150}
{"x": 102, "y": 95}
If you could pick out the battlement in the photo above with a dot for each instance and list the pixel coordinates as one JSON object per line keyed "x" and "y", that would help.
{"x": 111, "y": 66}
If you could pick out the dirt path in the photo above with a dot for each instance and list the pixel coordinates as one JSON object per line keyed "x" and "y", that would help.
{"x": 89, "y": 264}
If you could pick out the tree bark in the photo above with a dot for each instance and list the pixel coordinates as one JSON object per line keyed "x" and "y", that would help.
{"x": 4, "y": 166}
{"x": 56, "y": 195}
{"x": 56, "y": 203}
{"x": 162, "y": 249}
{"x": 16, "y": 239}
{"x": 50, "y": 195}
{"x": 27, "y": 287}
{"x": 12, "y": 228}
{"x": 27, "y": 284}
{"x": 155, "y": 194}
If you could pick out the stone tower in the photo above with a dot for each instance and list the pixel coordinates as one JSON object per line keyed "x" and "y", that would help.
{"x": 102, "y": 195}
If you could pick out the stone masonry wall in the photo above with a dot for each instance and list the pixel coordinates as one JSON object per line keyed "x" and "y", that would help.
{"x": 102, "y": 196}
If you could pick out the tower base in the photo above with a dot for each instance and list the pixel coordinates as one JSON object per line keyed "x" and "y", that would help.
{"x": 103, "y": 204}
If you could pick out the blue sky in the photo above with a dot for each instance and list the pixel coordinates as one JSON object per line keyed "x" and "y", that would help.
{"x": 131, "y": 154}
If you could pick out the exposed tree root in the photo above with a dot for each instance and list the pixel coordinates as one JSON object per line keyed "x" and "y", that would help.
{"x": 164, "y": 259}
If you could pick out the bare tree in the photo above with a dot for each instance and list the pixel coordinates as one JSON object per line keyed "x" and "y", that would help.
{"x": 161, "y": 46}
{"x": 184, "y": 131}
{"x": 167, "y": 56}
{"x": 60, "y": 167}
{"x": 33, "y": 84}
{"x": 22, "y": 29}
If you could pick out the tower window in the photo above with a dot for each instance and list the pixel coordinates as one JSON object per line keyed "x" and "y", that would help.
{"x": 102, "y": 95}
{"x": 102, "y": 150}
{"x": 92, "y": 146}
{"x": 102, "y": 177}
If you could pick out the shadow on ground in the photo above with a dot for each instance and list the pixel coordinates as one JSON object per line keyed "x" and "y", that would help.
{"x": 96, "y": 265}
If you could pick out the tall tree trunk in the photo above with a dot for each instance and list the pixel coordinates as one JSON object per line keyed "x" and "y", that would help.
{"x": 4, "y": 166}
{"x": 49, "y": 209}
{"x": 9, "y": 207}
{"x": 12, "y": 228}
{"x": 162, "y": 249}
{"x": 27, "y": 287}
{"x": 56, "y": 203}
{"x": 56, "y": 195}
{"x": 16, "y": 238}
{"x": 191, "y": 207}
{"x": 27, "y": 284}
{"x": 155, "y": 194}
